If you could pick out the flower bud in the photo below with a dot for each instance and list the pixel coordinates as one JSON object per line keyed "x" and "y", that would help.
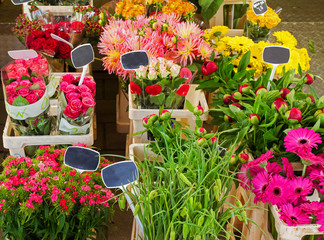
{"x": 260, "y": 91}
{"x": 233, "y": 160}
{"x": 146, "y": 123}
{"x": 284, "y": 92}
{"x": 243, "y": 158}
{"x": 310, "y": 78}
{"x": 227, "y": 99}
{"x": 319, "y": 115}
{"x": 208, "y": 68}
{"x": 245, "y": 89}
{"x": 236, "y": 96}
{"x": 254, "y": 119}
{"x": 165, "y": 115}
{"x": 237, "y": 105}
{"x": 280, "y": 105}
{"x": 153, "y": 118}
{"x": 201, "y": 131}
{"x": 293, "y": 115}
{"x": 310, "y": 99}
{"x": 213, "y": 139}
{"x": 201, "y": 141}
{"x": 186, "y": 73}
{"x": 198, "y": 110}
{"x": 228, "y": 119}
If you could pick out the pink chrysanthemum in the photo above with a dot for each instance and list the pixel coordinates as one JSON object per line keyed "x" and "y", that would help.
{"x": 260, "y": 185}
{"x": 293, "y": 215}
{"x": 299, "y": 188}
{"x": 243, "y": 177}
{"x": 288, "y": 168}
{"x": 313, "y": 207}
{"x": 301, "y": 140}
{"x": 260, "y": 160}
{"x": 277, "y": 190}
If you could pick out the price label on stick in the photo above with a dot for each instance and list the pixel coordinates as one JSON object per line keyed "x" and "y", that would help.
{"x": 275, "y": 55}
{"x": 19, "y": 2}
{"x": 260, "y": 7}
{"x": 23, "y": 54}
{"x": 133, "y": 60}
{"x": 82, "y": 159}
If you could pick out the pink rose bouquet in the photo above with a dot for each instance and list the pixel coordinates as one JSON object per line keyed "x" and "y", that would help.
{"x": 76, "y": 104}
{"x": 26, "y": 97}
{"x": 58, "y": 202}
{"x": 159, "y": 83}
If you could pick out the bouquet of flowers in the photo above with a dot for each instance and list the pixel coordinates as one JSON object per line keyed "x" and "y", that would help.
{"x": 41, "y": 198}
{"x": 24, "y": 26}
{"x": 279, "y": 185}
{"x": 258, "y": 26}
{"x": 159, "y": 84}
{"x": 26, "y": 97}
{"x": 76, "y": 104}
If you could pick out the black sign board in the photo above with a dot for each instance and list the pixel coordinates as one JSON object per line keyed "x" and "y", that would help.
{"x": 82, "y": 55}
{"x": 119, "y": 174}
{"x": 276, "y": 55}
{"x": 18, "y": 2}
{"x": 259, "y": 7}
{"x": 82, "y": 159}
{"x": 133, "y": 60}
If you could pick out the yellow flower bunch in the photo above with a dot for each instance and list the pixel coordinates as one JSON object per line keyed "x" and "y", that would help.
{"x": 269, "y": 20}
{"x": 128, "y": 10}
{"x": 179, "y": 7}
{"x": 216, "y": 32}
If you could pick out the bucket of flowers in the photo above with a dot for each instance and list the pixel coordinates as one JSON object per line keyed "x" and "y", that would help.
{"x": 41, "y": 198}
{"x": 295, "y": 198}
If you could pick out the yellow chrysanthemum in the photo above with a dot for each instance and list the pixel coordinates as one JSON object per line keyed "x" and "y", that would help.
{"x": 256, "y": 58}
{"x": 217, "y": 31}
{"x": 269, "y": 20}
{"x": 285, "y": 38}
{"x": 304, "y": 58}
{"x": 222, "y": 47}
{"x": 292, "y": 64}
{"x": 240, "y": 44}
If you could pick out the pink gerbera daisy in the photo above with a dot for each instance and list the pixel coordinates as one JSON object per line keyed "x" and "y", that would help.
{"x": 301, "y": 139}
{"x": 260, "y": 184}
{"x": 299, "y": 188}
{"x": 243, "y": 177}
{"x": 277, "y": 190}
{"x": 293, "y": 215}
{"x": 260, "y": 160}
{"x": 313, "y": 207}
{"x": 273, "y": 168}
{"x": 288, "y": 168}
{"x": 309, "y": 158}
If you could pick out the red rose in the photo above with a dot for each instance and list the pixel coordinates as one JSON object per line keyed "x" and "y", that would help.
{"x": 64, "y": 50}
{"x": 48, "y": 33}
{"x": 37, "y": 33}
{"x": 77, "y": 26}
{"x": 70, "y": 88}
{"x": 75, "y": 104}
{"x": 70, "y": 112}
{"x": 183, "y": 90}
{"x": 63, "y": 35}
{"x": 32, "y": 98}
{"x": 69, "y": 78}
{"x": 153, "y": 89}
{"x": 72, "y": 95}
{"x": 37, "y": 44}
{"x": 88, "y": 102}
{"x": 30, "y": 38}
{"x": 23, "y": 92}
{"x": 50, "y": 46}
{"x": 134, "y": 88}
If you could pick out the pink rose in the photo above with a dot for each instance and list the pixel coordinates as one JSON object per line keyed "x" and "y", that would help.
{"x": 11, "y": 90}
{"x": 84, "y": 88}
{"x": 35, "y": 68}
{"x": 70, "y": 112}
{"x": 90, "y": 84}
{"x": 84, "y": 109}
{"x": 39, "y": 92}
{"x": 75, "y": 104}
{"x": 11, "y": 99}
{"x": 63, "y": 86}
{"x": 86, "y": 94}
{"x": 42, "y": 85}
{"x": 88, "y": 102}
{"x": 30, "y": 62}
{"x": 69, "y": 78}
{"x": 70, "y": 88}
{"x": 13, "y": 75}
{"x": 44, "y": 68}
{"x": 26, "y": 83}
{"x": 20, "y": 61}
{"x": 23, "y": 92}
{"x": 32, "y": 98}
{"x": 35, "y": 79}
{"x": 22, "y": 71}
{"x": 72, "y": 95}
{"x": 10, "y": 67}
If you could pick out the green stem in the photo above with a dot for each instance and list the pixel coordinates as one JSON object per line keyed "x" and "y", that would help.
{"x": 98, "y": 59}
{"x": 304, "y": 170}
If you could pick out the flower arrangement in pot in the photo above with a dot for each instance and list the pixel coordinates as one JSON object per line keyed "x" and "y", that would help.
{"x": 159, "y": 83}
{"x": 288, "y": 190}
{"x": 41, "y": 198}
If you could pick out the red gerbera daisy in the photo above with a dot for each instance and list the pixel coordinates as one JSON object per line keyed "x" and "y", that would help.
{"x": 293, "y": 215}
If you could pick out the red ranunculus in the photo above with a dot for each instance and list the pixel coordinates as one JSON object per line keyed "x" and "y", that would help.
{"x": 134, "y": 88}
{"x": 183, "y": 90}
{"x": 64, "y": 50}
{"x": 153, "y": 89}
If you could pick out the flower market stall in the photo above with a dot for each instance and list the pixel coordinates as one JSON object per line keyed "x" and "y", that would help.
{"x": 224, "y": 123}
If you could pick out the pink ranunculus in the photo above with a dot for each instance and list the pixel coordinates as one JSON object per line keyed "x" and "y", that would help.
{"x": 69, "y": 78}
{"x": 26, "y": 83}
{"x": 71, "y": 113}
{"x": 86, "y": 94}
{"x": 70, "y": 88}
{"x": 32, "y": 98}
{"x": 72, "y": 95}
{"x": 39, "y": 92}
{"x": 88, "y": 102}
{"x": 63, "y": 85}
{"x": 23, "y": 92}
{"x": 84, "y": 88}
{"x": 75, "y": 104}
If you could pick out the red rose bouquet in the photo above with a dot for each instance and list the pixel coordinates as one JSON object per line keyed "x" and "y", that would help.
{"x": 159, "y": 83}
{"x": 76, "y": 104}
{"x": 26, "y": 96}
{"x": 41, "y": 198}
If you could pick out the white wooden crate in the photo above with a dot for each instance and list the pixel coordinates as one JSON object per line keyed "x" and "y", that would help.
{"x": 16, "y": 144}
{"x": 195, "y": 97}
